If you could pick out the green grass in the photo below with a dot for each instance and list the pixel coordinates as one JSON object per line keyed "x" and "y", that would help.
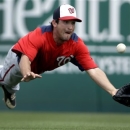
{"x": 63, "y": 121}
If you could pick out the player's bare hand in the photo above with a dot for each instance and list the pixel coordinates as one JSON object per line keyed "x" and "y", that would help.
{"x": 30, "y": 76}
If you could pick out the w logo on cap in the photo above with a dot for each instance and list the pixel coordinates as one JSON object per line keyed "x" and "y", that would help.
{"x": 71, "y": 10}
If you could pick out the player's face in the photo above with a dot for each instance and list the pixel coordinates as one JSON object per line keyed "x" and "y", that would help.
{"x": 64, "y": 30}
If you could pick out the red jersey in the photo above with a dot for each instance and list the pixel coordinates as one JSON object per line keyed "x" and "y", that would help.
{"x": 40, "y": 47}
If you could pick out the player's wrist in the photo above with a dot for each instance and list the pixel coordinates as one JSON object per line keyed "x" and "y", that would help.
{"x": 114, "y": 92}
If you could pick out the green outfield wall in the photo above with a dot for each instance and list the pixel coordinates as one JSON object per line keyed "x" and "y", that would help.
{"x": 105, "y": 24}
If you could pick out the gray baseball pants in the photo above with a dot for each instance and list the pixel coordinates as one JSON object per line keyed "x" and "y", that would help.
{"x": 10, "y": 75}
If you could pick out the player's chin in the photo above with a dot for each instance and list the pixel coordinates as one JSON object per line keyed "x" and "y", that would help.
{"x": 67, "y": 37}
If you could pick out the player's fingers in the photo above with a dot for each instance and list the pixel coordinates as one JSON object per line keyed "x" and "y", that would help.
{"x": 26, "y": 77}
{"x": 22, "y": 79}
{"x": 35, "y": 75}
{"x": 38, "y": 76}
{"x": 30, "y": 76}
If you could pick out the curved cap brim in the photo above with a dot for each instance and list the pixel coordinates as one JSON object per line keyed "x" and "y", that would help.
{"x": 70, "y": 18}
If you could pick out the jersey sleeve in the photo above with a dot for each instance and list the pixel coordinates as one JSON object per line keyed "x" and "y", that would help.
{"x": 82, "y": 57}
{"x": 29, "y": 44}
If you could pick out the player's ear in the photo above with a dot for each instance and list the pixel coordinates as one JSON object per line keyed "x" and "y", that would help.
{"x": 54, "y": 23}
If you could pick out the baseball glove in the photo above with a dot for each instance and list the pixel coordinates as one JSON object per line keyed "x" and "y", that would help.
{"x": 123, "y": 95}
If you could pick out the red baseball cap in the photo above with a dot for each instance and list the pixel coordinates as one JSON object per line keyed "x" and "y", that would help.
{"x": 66, "y": 12}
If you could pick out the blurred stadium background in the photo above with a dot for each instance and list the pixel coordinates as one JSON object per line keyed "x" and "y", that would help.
{"x": 105, "y": 24}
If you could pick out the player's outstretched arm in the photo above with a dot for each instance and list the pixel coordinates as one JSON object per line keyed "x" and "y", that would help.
{"x": 101, "y": 79}
{"x": 121, "y": 95}
{"x": 25, "y": 68}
